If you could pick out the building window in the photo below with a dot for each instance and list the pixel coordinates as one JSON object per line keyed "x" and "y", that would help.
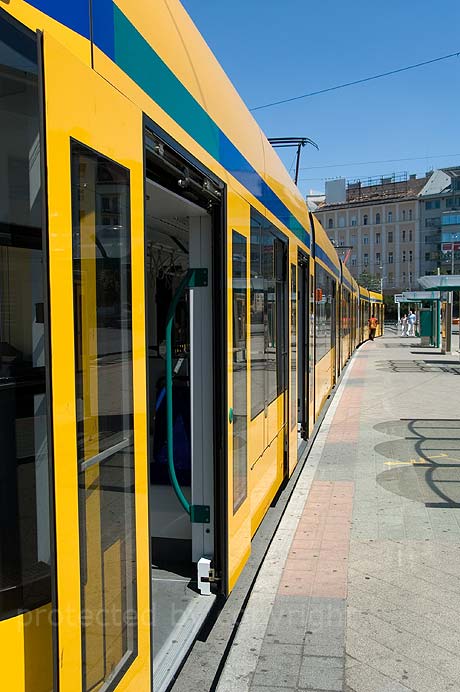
{"x": 366, "y": 259}
{"x": 433, "y": 204}
{"x": 390, "y": 216}
{"x": 432, "y": 221}
{"x": 341, "y": 222}
{"x": 404, "y": 277}
{"x": 427, "y": 256}
{"x": 390, "y": 258}
{"x": 410, "y": 255}
{"x": 410, "y": 277}
{"x": 403, "y": 214}
{"x": 353, "y": 261}
{"x": 377, "y": 218}
{"x": 377, "y": 257}
{"x": 341, "y": 242}
{"x": 353, "y": 220}
{"x": 404, "y": 256}
{"x": 330, "y": 223}
{"x": 403, "y": 236}
{"x": 377, "y": 238}
{"x": 365, "y": 220}
{"x": 390, "y": 236}
{"x": 410, "y": 214}
{"x": 365, "y": 240}
{"x": 410, "y": 236}
{"x": 451, "y": 220}
{"x": 390, "y": 278}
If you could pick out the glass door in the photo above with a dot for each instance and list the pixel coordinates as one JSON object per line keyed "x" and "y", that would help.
{"x": 96, "y": 249}
{"x": 238, "y": 480}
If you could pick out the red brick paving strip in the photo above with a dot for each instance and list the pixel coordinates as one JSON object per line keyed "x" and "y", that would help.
{"x": 317, "y": 562}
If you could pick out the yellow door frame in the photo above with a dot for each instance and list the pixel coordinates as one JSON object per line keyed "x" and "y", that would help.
{"x": 100, "y": 118}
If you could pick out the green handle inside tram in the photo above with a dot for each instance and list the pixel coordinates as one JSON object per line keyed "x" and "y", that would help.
{"x": 192, "y": 279}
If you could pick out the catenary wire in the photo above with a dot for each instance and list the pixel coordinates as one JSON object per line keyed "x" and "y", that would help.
{"x": 364, "y": 163}
{"x": 356, "y": 81}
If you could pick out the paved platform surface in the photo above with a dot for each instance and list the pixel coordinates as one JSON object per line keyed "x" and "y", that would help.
{"x": 360, "y": 589}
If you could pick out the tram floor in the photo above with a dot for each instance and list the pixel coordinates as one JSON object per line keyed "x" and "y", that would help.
{"x": 179, "y": 611}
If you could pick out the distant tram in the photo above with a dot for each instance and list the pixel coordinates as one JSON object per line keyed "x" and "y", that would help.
{"x": 172, "y": 322}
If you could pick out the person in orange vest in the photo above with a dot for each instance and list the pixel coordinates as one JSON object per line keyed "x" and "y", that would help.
{"x": 372, "y": 322}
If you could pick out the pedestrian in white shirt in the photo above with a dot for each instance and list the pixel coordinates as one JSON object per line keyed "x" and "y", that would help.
{"x": 411, "y": 320}
{"x": 404, "y": 325}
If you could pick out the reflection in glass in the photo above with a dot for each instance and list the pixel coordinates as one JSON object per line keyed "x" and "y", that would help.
{"x": 240, "y": 442}
{"x": 257, "y": 318}
{"x": 24, "y": 489}
{"x": 268, "y": 314}
{"x": 103, "y": 361}
{"x": 324, "y": 312}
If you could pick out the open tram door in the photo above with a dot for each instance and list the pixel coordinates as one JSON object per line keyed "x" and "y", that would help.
{"x": 94, "y": 160}
{"x": 184, "y": 246}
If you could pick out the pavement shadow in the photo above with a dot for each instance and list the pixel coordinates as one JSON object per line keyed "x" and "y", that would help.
{"x": 423, "y": 460}
{"x": 409, "y": 366}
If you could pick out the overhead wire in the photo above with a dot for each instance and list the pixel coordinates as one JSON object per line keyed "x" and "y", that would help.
{"x": 365, "y": 163}
{"x": 356, "y": 81}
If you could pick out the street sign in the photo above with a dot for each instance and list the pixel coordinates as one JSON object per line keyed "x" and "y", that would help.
{"x": 398, "y": 297}
{"x": 449, "y": 247}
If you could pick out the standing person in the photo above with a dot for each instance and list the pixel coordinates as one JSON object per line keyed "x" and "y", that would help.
{"x": 411, "y": 320}
{"x": 404, "y": 325}
{"x": 372, "y": 322}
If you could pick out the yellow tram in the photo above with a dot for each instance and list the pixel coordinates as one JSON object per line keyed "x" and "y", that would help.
{"x": 172, "y": 321}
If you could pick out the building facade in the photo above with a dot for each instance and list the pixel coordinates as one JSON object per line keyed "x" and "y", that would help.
{"x": 377, "y": 225}
{"x": 440, "y": 222}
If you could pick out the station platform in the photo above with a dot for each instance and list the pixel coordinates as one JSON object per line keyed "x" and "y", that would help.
{"x": 359, "y": 589}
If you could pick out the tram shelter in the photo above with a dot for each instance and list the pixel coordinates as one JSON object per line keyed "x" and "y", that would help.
{"x": 446, "y": 284}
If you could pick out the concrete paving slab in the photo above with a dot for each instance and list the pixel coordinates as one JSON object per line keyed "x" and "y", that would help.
{"x": 392, "y": 435}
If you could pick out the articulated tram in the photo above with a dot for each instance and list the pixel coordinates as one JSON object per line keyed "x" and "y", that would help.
{"x": 172, "y": 322}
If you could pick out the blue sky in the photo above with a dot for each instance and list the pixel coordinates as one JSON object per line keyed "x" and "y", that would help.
{"x": 273, "y": 49}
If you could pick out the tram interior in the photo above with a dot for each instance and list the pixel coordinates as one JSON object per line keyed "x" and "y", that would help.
{"x": 177, "y": 604}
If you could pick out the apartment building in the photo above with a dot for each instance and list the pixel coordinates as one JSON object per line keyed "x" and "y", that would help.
{"x": 440, "y": 221}
{"x": 377, "y": 222}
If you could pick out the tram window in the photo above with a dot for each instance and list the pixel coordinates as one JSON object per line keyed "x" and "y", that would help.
{"x": 268, "y": 314}
{"x": 271, "y": 327}
{"x": 324, "y": 312}
{"x": 257, "y": 319}
{"x": 293, "y": 346}
{"x": 104, "y": 403}
{"x": 24, "y": 492}
{"x": 240, "y": 372}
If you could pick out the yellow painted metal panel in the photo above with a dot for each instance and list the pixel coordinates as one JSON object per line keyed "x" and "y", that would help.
{"x": 26, "y": 642}
{"x": 266, "y": 469}
{"x": 110, "y": 124}
{"x": 172, "y": 34}
{"x": 323, "y": 379}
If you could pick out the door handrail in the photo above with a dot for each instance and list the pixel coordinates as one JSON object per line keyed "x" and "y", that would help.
{"x": 193, "y": 278}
